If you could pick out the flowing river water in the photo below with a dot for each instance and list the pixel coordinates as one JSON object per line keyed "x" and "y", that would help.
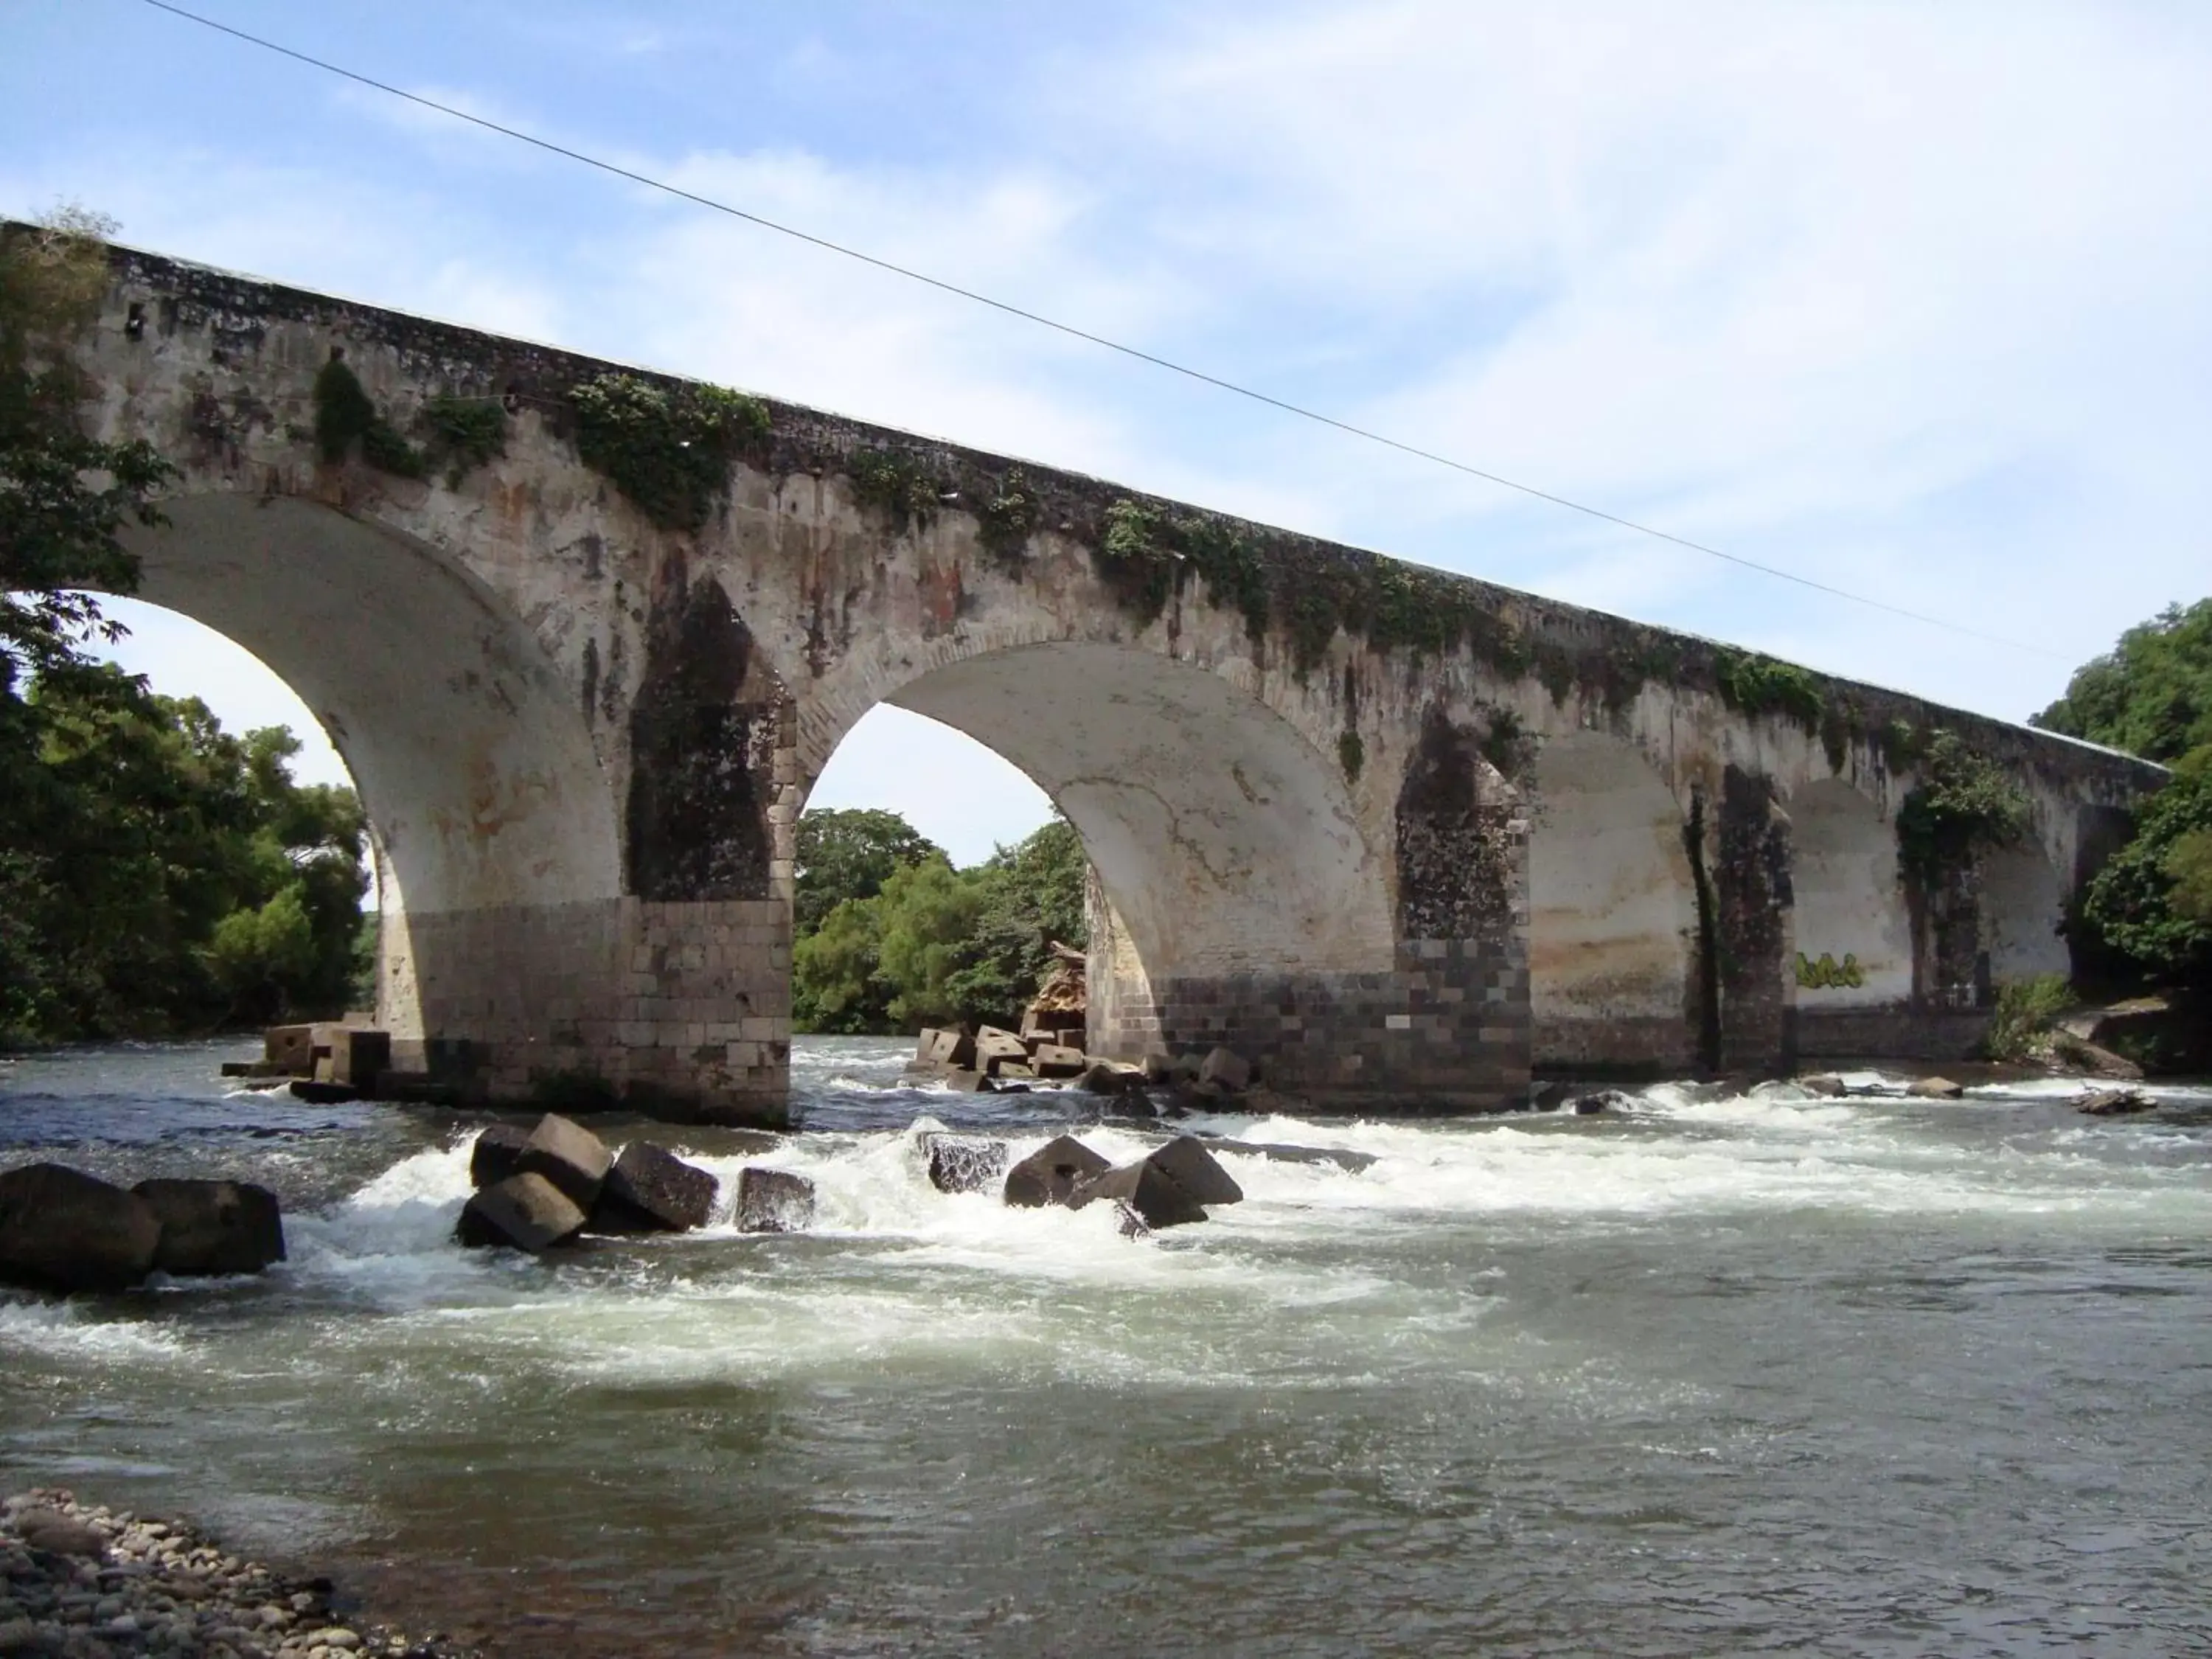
{"x": 1720, "y": 1374}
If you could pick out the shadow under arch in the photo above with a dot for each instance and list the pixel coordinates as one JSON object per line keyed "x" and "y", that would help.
{"x": 1613, "y": 911}
{"x": 485, "y": 799}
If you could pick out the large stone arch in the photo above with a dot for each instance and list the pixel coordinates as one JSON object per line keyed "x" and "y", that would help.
{"x": 1613, "y": 911}
{"x": 496, "y": 841}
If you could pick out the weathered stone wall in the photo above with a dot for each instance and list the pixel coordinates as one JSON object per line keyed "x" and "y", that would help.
{"x": 1398, "y": 836}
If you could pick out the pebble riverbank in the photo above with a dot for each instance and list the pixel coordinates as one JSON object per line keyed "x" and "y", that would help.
{"x": 80, "y": 1582}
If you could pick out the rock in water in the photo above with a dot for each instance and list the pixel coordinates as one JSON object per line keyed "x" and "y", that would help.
{"x": 1186, "y": 1162}
{"x": 1826, "y": 1085}
{"x": 1606, "y": 1100}
{"x": 1051, "y": 1173}
{"x": 958, "y": 1165}
{"x": 61, "y": 1230}
{"x": 1112, "y": 1076}
{"x": 497, "y": 1154}
{"x": 2115, "y": 1103}
{"x": 1052, "y": 1060}
{"x": 527, "y": 1211}
{"x": 568, "y": 1155}
{"x": 210, "y": 1227}
{"x": 1226, "y": 1069}
{"x": 650, "y": 1190}
{"x": 1936, "y": 1088}
{"x": 950, "y": 1046}
{"x": 774, "y": 1201}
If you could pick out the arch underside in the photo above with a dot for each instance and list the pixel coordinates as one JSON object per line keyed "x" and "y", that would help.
{"x": 1612, "y": 912}
{"x": 494, "y": 832}
{"x": 1244, "y": 905}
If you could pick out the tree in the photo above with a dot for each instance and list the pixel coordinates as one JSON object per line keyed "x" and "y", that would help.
{"x": 65, "y": 496}
{"x": 1031, "y": 896}
{"x": 929, "y": 912}
{"x": 849, "y": 854}
{"x": 2151, "y": 694}
{"x": 835, "y": 988}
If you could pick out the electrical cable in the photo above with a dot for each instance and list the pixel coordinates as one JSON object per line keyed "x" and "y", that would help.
{"x": 1074, "y": 333}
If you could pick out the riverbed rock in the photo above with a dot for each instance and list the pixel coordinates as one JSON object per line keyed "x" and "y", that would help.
{"x": 568, "y": 1155}
{"x": 1051, "y": 1173}
{"x": 57, "y": 1534}
{"x": 1225, "y": 1068}
{"x": 959, "y": 1163}
{"x": 525, "y": 1211}
{"x": 1826, "y": 1085}
{"x": 1144, "y": 1189}
{"x": 61, "y": 1229}
{"x": 497, "y": 1154}
{"x": 1936, "y": 1088}
{"x": 1111, "y": 1076}
{"x": 650, "y": 1190}
{"x": 1605, "y": 1100}
{"x": 214, "y": 1227}
{"x": 2115, "y": 1103}
{"x": 774, "y": 1201}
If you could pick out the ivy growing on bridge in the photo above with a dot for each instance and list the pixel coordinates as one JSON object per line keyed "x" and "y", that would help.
{"x": 668, "y": 448}
{"x": 1963, "y": 805}
{"x": 1752, "y": 684}
{"x": 462, "y": 433}
{"x": 347, "y": 419}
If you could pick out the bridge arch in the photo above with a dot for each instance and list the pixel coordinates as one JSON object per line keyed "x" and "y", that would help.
{"x": 2023, "y": 901}
{"x": 489, "y": 813}
{"x": 1613, "y": 911}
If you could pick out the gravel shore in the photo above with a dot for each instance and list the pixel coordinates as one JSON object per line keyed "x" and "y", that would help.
{"x": 82, "y": 1582}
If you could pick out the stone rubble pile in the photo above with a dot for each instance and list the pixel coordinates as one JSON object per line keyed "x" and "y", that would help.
{"x": 994, "y": 1059}
{"x": 64, "y": 1231}
{"x": 1171, "y": 1185}
{"x": 556, "y": 1182}
{"x": 80, "y": 1582}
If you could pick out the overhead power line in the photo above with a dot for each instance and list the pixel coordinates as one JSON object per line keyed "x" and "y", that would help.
{"x": 1072, "y": 331}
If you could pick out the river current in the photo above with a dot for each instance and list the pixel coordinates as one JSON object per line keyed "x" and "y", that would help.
{"x": 1723, "y": 1373}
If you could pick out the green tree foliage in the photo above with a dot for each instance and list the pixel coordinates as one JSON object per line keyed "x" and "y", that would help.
{"x": 160, "y": 874}
{"x": 2151, "y": 694}
{"x": 850, "y": 854}
{"x": 1963, "y": 803}
{"x": 891, "y": 936}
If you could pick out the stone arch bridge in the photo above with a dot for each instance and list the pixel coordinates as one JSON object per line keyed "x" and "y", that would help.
{"x": 585, "y": 637}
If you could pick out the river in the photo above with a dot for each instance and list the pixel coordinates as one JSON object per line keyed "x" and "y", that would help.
{"x": 1720, "y": 1374}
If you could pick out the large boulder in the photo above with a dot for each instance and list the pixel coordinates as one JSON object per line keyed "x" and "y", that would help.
{"x": 497, "y": 1154}
{"x": 650, "y": 1190}
{"x": 569, "y": 1155}
{"x": 1112, "y": 1076}
{"x": 1825, "y": 1084}
{"x": 212, "y": 1227}
{"x": 525, "y": 1211}
{"x": 964, "y": 1164}
{"x": 774, "y": 1201}
{"x": 64, "y": 1231}
{"x": 1935, "y": 1088}
{"x": 1051, "y": 1173}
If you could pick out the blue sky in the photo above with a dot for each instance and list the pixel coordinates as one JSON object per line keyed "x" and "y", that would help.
{"x": 1910, "y": 299}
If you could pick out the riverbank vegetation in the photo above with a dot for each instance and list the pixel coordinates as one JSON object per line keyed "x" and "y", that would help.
{"x": 889, "y": 937}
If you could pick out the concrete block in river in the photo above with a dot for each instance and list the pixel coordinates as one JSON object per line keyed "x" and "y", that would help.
{"x": 497, "y": 1154}
{"x": 1112, "y": 1076}
{"x": 210, "y": 1227}
{"x": 948, "y": 1046}
{"x": 289, "y": 1050}
{"x": 774, "y": 1201}
{"x": 995, "y": 1049}
{"x": 356, "y": 1056}
{"x": 525, "y": 1211}
{"x": 963, "y": 1164}
{"x": 1225, "y": 1069}
{"x": 1051, "y": 1173}
{"x": 650, "y": 1190}
{"x": 64, "y": 1231}
{"x": 1144, "y": 1189}
{"x": 569, "y": 1155}
{"x": 1186, "y": 1162}
{"x": 1052, "y": 1060}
